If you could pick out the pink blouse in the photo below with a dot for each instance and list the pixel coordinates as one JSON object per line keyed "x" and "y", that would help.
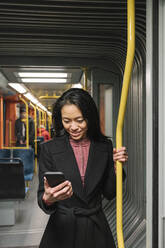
{"x": 81, "y": 152}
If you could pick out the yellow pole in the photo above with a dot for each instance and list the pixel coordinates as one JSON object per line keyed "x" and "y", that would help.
{"x": 27, "y": 121}
{"x": 35, "y": 141}
{"x": 45, "y": 119}
{"x": 39, "y": 121}
{"x": 1, "y": 122}
{"x": 10, "y": 133}
{"x": 123, "y": 101}
{"x": 85, "y": 77}
{"x": 49, "y": 124}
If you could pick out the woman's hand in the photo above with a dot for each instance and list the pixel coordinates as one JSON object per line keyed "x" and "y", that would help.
{"x": 58, "y": 193}
{"x": 120, "y": 155}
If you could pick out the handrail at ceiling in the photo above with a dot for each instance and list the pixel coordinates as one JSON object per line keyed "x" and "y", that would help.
{"x": 122, "y": 108}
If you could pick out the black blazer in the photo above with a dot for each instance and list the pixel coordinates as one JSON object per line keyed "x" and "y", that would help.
{"x": 79, "y": 221}
{"x": 18, "y": 131}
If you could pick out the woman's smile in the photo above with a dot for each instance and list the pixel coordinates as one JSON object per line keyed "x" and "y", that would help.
{"x": 73, "y": 121}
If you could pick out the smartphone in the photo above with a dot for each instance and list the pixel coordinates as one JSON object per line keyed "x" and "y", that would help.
{"x": 54, "y": 178}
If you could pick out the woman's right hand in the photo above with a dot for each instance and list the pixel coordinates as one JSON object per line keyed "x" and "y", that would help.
{"x": 58, "y": 193}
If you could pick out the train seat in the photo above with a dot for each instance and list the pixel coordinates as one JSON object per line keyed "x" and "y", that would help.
{"x": 12, "y": 183}
{"x": 27, "y": 156}
{"x": 4, "y": 153}
{"x": 12, "y": 188}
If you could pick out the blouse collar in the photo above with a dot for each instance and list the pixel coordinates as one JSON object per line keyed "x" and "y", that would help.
{"x": 82, "y": 142}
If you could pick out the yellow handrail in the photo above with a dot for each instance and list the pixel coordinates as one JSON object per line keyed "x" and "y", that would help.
{"x": 35, "y": 141}
{"x": 10, "y": 133}
{"x": 49, "y": 124}
{"x": 45, "y": 117}
{"x": 27, "y": 121}
{"x": 85, "y": 78}
{"x": 39, "y": 121}
{"x": 1, "y": 122}
{"x": 123, "y": 101}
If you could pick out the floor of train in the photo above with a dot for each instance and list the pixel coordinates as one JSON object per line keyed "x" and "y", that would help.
{"x": 30, "y": 222}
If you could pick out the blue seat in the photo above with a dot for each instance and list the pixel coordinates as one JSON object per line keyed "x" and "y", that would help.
{"x": 4, "y": 153}
{"x": 12, "y": 182}
{"x": 27, "y": 157}
{"x": 40, "y": 139}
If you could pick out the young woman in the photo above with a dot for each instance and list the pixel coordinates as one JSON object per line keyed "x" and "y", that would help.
{"x": 85, "y": 156}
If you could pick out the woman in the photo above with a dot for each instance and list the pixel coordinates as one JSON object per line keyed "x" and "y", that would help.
{"x": 85, "y": 156}
{"x": 41, "y": 131}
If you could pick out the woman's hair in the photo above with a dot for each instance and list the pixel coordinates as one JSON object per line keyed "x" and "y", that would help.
{"x": 87, "y": 106}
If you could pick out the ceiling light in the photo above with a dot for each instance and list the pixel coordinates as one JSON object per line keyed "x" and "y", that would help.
{"x": 44, "y": 80}
{"x": 77, "y": 86}
{"x": 41, "y": 106}
{"x": 31, "y": 98}
{"x": 18, "y": 87}
{"x": 42, "y": 74}
{"x": 49, "y": 113}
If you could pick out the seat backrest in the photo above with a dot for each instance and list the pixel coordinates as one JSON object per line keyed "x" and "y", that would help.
{"x": 40, "y": 139}
{"x": 4, "y": 153}
{"x": 12, "y": 183}
{"x": 27, "y": 157}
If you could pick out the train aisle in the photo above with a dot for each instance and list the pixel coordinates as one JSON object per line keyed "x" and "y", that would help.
{"x": 30, "y": 222}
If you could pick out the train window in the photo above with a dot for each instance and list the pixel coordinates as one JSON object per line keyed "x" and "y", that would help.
{"x": 106, "y": 109}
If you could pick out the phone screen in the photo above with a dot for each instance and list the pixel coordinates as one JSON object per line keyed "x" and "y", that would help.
{"x": 54, "y": 178}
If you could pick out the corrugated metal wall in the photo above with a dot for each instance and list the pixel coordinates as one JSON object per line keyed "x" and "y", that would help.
{"x": 92, "y": 32}
{"x": 134, "y": 196}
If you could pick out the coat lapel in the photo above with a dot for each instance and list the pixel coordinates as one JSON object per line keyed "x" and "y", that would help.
{"x": 65, "y": 161}
{"x": 97, "y": 161}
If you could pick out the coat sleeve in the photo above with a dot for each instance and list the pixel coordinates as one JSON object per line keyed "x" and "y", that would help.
{"x": 17, "y": 128}
{"x": 45, "y": 164}
{"x": 109, "y": 181}
{"x": 31, "y": 131}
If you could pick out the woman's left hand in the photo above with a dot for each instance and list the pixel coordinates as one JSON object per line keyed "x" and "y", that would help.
{"x": 120, "y": 155}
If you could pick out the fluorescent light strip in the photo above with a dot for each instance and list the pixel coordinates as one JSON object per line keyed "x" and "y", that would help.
{"x": 77, "y": 86}
{"x": 31, "y": 98}
{"x": 18, "y": 87}
{"x": 21, "y": 89}
{"x": 42, "y": 74}
{"x": 44, "y": 80}
{"x": 41, "y": 106}
{"x": 49, "y": 113}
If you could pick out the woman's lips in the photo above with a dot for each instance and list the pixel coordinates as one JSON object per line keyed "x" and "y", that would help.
{"x": 75, "y": 134}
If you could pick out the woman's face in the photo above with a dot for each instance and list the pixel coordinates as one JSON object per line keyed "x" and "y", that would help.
{"x": 73, "y": 121}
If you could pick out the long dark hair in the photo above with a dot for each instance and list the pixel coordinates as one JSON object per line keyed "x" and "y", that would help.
{"x": 87, "y": 106}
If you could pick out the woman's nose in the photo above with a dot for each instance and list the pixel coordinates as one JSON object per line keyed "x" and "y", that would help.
{"x": 74, "y": 126}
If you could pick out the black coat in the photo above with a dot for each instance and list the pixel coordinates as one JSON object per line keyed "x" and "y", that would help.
{"x": 78, "y": 222}
{"x": 18, "y": 131}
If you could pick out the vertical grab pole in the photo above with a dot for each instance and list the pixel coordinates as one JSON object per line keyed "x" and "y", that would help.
{"x": 27, "y": 121}
{"x": 123, "y": 101}
{"x": 85, "y": 78}
{"x": 49, "y": 124}
{"x": 10, "y": 138}
{"x": 1, "y": 122}
{"x": 35, "y": 141}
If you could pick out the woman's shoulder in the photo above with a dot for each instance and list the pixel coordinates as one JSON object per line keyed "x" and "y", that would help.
{"x": 105, "y": 144}
{"x": 54, "y": 142}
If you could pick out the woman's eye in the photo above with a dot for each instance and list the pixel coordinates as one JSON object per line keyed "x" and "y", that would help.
{"x": 80, "y": 121}
{"x": 65, "y": 121}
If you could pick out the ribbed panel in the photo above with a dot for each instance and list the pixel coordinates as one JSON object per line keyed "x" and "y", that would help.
{"x": 89, "y": 29}
{"x": 134, "y": 196}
